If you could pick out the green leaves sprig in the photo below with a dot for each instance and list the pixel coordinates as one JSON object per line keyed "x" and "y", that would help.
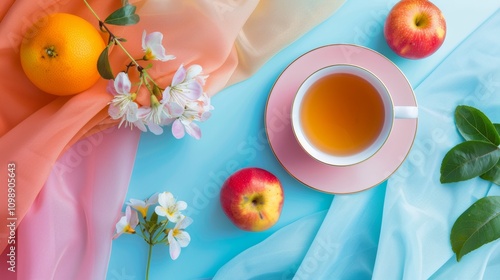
{"x": 123, "y": 16}
{"x": 479, "y": 156}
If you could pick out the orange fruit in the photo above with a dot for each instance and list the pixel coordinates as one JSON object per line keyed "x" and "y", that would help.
{"x": 59, "y": 54}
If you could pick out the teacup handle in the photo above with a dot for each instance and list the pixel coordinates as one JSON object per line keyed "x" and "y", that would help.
{"x": 405, "y": 112}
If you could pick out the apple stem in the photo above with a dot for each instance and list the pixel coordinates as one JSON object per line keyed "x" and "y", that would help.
{"x": 420, "y": 20}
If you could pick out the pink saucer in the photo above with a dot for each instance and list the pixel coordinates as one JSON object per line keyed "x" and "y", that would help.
{"x": 320, "y": 176}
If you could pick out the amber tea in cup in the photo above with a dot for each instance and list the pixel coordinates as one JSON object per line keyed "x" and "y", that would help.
{"x": 343, "y": 114}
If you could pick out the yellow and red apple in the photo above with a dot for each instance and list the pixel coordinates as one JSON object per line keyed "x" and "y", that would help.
{"x": 415, "y": 28}
{"x": 252, "y": 198}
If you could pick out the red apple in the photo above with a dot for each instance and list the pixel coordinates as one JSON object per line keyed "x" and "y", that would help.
{"x": 252, "y": 199}
{"x": 415, "y": 28}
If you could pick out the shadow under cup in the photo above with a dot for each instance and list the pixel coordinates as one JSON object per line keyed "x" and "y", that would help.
{"x": 343, "y": 114}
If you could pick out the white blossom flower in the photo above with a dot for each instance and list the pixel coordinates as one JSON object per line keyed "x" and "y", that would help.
{"x": 178, "y": 238}
{"x": 159, "y": 113}
{"x": 152, "y": 47}
{"x": 152, "y": 117}
{"x": 123, "y": 107}
{"x": 186, "y": 90}
{"x": 141, "y": 205}
{"x": 198, "y": 110}
{"x": 169, "y": 207}
{"x": 127, "y": 223}
{"x": 187, "y": 85}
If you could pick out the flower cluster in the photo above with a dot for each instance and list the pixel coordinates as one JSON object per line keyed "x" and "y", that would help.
{"x": 153, "y": 230}
{"x": 180, "y": 104}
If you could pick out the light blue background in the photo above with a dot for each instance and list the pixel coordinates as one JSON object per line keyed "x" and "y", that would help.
{"x": 235, "y": 138}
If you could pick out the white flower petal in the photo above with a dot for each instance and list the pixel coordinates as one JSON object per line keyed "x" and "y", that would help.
{"x": 202, "y": 79}
{"x": 184, "y": 223}
{"x": 174, "y": 247}
{"x": 158, "y": 52}
{"x": 114, "y": 112}
{"x": 194, "y": 130}
{"x": 183, "y": 238}
{"x": 167, "y": 121}
{"x": 131, "y": 112}
{"x": 155, "y": 128}
{"x": 193, "y": 71}
{"x": 143, "y": 112}
{"x": 122, "y": 83}
{"x": 167, "y": 57}
{"x": 134, "y": 220}
{"x": 195, "y": 90}
{"x": 128, "y": 212}
{"x": 166, "y": 199}
{"x": 174, "y": 110}
{"x": 132, "y": 217}
{"x": 174, "y": 217}
{"x": 166, "y": 95}
{"x": 178, "y": 129}
{"x": 181, "y": 205}
{"x": 152, "y": 199}
{"x": 161, "y": 211}
{"x": 110, "y": 87}
{"x": 141, "y": 126}
{"x": 179, "y": 76}
{"x": 122, "y": 223}
{"x": 153, "y": 48}
{"x": 144, "y": 46}
{"x": 205, "y": 116}
{"x": 153, "y": 39}
{"x": 136, "y": 203}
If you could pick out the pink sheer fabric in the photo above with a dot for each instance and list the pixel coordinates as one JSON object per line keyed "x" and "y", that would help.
{"x": 68, "y": 229}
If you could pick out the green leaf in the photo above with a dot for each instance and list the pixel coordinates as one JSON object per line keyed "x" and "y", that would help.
{"x": 493, "y": 175}
{"x": 152, "y": 227}
{"x": 123, "y": 16}
{"x": 154, "y": 217}
{"x": 468, "y": 160}
{"x": 103, "y": 65}
{"x": 478, "y": 225}
{"x": 497, "y": 127}
{"x": 475, "y": 125}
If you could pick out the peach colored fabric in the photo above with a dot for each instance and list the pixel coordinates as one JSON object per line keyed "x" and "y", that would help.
{"x": 36, "y": 128}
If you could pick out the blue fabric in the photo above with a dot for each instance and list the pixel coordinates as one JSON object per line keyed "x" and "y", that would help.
{"x": 397, "y": 230}
{"x": 344, "y": 246}
{"x": 419, "y": 211}
{"x": 401, "y": 231}
{"x": 289, "y": 247}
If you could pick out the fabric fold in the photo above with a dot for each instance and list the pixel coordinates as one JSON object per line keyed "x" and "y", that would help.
{"x": 277, "y": 257}
{"x": 345, "y": 246}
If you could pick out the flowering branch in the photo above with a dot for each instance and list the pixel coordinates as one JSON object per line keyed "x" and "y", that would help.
{"x": 180, "y": 104}
{"x": 153, "y": 230}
